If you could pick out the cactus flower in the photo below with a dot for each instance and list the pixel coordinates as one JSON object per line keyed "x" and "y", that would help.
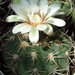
{"x": 35, "y": 16}
{"x": 74, "y": 74}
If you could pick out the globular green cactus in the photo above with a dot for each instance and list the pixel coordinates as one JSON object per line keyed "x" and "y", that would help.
{"x": 48, "y": 57}
{"x": 28, "y": 50}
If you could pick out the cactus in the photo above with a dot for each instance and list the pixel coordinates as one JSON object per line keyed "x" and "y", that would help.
{"x": 48, "y": 55}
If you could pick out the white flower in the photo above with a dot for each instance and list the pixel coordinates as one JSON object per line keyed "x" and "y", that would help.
{"x": 35, "y": 15}
{"x": 74, "y": 74}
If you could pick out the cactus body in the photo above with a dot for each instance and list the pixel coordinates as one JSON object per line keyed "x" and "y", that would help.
{"x": 48, "y": 57}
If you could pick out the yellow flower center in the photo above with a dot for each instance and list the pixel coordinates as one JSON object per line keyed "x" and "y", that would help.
{"x": 35, "y": 15}
{"x": 36, "y": 19}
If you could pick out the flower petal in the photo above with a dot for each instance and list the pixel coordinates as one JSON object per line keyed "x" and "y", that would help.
{"x": 34, "y": 35}
{"x": 48, "y": 30}
{"x": 34, "y": 8}
{"x": 33, "y": 2}
{"x": 58, "y": 22}
{"x": 13, "y": 18}
{"x": 23, "y": 28}
{"x": 53, "y": 9}
{"x": 49, "y": 20}
{"x": 43, "y": 6}
{"x": 41, "y": 27}
{"x": 26, "y": 28}
{"x": 29, "y": 7}
{"x": 19, "y": 10}
{"x": 25, "y": 5}
{"x": 42, "y": 3}
{"x": 59, "y": 13}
